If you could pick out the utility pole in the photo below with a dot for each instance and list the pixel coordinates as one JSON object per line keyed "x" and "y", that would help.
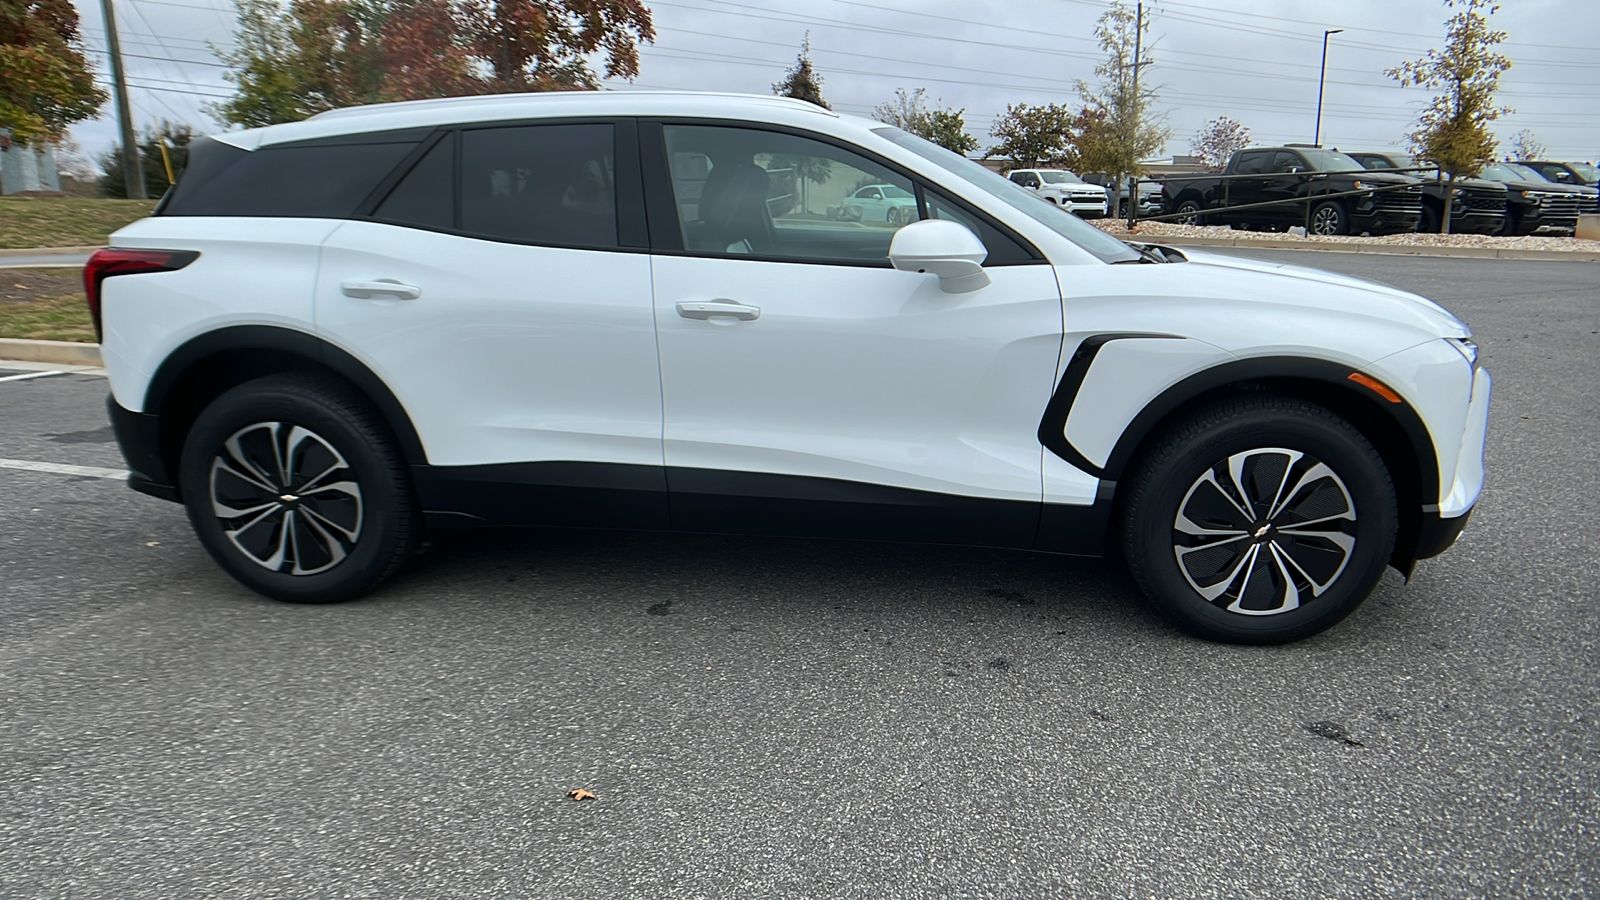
{"x": 1133, "y": 135}
{"x": 132, "y": 165}
{"x": 1317, "y": 137}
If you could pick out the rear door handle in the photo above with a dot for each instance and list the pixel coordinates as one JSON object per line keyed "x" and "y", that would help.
{"x": 363, "y": 290}
{"x": 705, "y": 309}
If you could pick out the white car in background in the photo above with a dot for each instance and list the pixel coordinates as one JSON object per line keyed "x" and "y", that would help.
{"x": 886, "y": 203}
{"x": 1065, "y": 189}
{"x": 583, "y": 309}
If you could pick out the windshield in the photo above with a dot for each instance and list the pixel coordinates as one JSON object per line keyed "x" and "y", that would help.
{"x": 1501, "y": 172}
{"x": 894, "y": 192}
{"x": 1329, "y": 160}
{"x": 1060, "y": 177}
{"x": 1526, "y": 172}
{"x": 1069, "y": 226}
{"x": 1395, "y": 161}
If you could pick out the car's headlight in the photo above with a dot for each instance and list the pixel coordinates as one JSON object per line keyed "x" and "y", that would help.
{"x": 1468, "y": 349}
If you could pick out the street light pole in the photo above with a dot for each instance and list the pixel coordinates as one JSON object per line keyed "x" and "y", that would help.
{"x": 1317, "y": 138}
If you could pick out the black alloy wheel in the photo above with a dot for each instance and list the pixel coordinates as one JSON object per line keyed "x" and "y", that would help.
{"x": 1329, "y": 218}
{"x": 1189, "y": 213}
{"x": 297, "y": 489}
{"x": 1262, "y": 520}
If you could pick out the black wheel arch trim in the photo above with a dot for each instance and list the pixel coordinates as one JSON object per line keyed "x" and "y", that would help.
{"x": 1053, "y": 426}
{"x": 1331, "y": 375}
{"x": 271, "y": 338}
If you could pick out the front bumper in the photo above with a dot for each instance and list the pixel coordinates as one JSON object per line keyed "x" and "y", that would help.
{"x": 139, "y": 437}
{"x": 1085, "y": 207}
{"x": 1442, "y": 524}
{"x": 1438, "y": 534}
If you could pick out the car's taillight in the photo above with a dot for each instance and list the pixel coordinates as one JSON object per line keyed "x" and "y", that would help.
{"x": 106, "y": 263}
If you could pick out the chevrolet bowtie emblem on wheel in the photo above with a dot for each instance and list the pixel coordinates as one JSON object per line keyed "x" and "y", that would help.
{"x": 1262, "y": 531}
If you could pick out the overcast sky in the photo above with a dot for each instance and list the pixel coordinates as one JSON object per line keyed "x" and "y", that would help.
{"x": 1249, "y": 59}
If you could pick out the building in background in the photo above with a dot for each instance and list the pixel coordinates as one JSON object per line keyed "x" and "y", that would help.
{"x": 25, "y": 169}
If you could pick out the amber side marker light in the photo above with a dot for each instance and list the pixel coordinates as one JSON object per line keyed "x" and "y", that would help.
{"x": 1376, "y": 386}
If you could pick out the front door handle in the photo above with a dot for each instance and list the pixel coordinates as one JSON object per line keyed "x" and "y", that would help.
{"x": 363, "y": 290}
{"x": 705, "y": 309}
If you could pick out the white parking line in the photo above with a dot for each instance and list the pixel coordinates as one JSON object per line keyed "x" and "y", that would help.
{"x": 29, "y": 375}
{"x": 28, "y": 465}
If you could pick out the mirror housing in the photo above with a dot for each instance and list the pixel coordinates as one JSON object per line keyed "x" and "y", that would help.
{"x": 943, "y": 248}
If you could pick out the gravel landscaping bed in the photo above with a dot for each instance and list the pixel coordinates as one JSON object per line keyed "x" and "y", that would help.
{"x": 1551, "y": 241}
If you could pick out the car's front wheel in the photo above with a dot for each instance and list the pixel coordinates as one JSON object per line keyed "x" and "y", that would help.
{"x": 297, "y": 489}
{"x": 1261, "y": 520}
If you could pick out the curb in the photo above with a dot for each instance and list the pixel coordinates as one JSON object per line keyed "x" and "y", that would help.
{"x": 1358, "y": 247}
{"x": 69, "y": 353}
{"x": 50, "y": 251}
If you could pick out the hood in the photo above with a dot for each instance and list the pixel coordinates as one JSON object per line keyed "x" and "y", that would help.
{"x": 1482, "y": 184}
{"x": 1379, "y": 176}
{"x": 1293, "y": 285}
{"x": 1549, "y": 187}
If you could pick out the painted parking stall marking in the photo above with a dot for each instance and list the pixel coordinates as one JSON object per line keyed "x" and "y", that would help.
{"x": 26, "y": 375}
{"x": 28, "y": 465}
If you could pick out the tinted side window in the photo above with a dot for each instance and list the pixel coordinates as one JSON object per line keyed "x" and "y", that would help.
{"x": 1251, "y": 164}
{"x": 207, "y": 159}
{"x": 426, "y": 195}
{"x": 742, "y": 191}
{"x": 1002, "y": 249}
{"x": 1284, "y": 161}
{"x": 301, "y": 182}
{"x": 540, "y": 184}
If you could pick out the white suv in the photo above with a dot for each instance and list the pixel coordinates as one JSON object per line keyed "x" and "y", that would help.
{"x": 632, "y": 310}
{"x": 1064, "y": 189}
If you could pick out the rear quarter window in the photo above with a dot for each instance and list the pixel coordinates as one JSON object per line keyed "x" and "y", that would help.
{"x": 319, "y": 182}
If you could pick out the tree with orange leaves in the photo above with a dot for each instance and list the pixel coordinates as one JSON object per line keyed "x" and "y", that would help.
{"x": 295, "y": 59}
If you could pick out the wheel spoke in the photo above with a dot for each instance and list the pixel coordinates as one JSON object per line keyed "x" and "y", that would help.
{"x": 1246, "y": 563}
{"x": 326, "y": 542}
{"x": 236, "y": 450}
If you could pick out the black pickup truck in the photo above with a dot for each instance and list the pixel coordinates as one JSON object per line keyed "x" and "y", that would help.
{"x": 1535, "y": 202}
{"x": 1479, "y": 207}
{"x": 1295, "y": 176}
{"x": 1572, "y": 174}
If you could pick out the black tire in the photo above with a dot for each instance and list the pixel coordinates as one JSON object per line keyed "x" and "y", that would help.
{"x": 1190, "y": 213}
{"x": 1329, "y": 218}
{"x": 1232, "y": 588}
{"x": 327, "y": 524}
{"x": 1429, "y": 223}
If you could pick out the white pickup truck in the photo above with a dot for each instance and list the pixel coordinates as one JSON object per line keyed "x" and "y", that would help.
{"x": 1065, "y": 189}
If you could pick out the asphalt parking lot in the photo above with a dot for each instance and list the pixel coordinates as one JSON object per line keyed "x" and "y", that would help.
{"x": 779, "y": 718}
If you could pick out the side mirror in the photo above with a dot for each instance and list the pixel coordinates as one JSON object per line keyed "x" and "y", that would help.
{"x": 943, "y": 248}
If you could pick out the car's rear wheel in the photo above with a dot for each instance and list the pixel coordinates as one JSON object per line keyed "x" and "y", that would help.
{"x": 297, "y": 489}
{"x": 1260, "y": 520}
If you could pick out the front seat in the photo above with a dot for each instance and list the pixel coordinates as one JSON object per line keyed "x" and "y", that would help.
{"x": 733, "y": 216}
